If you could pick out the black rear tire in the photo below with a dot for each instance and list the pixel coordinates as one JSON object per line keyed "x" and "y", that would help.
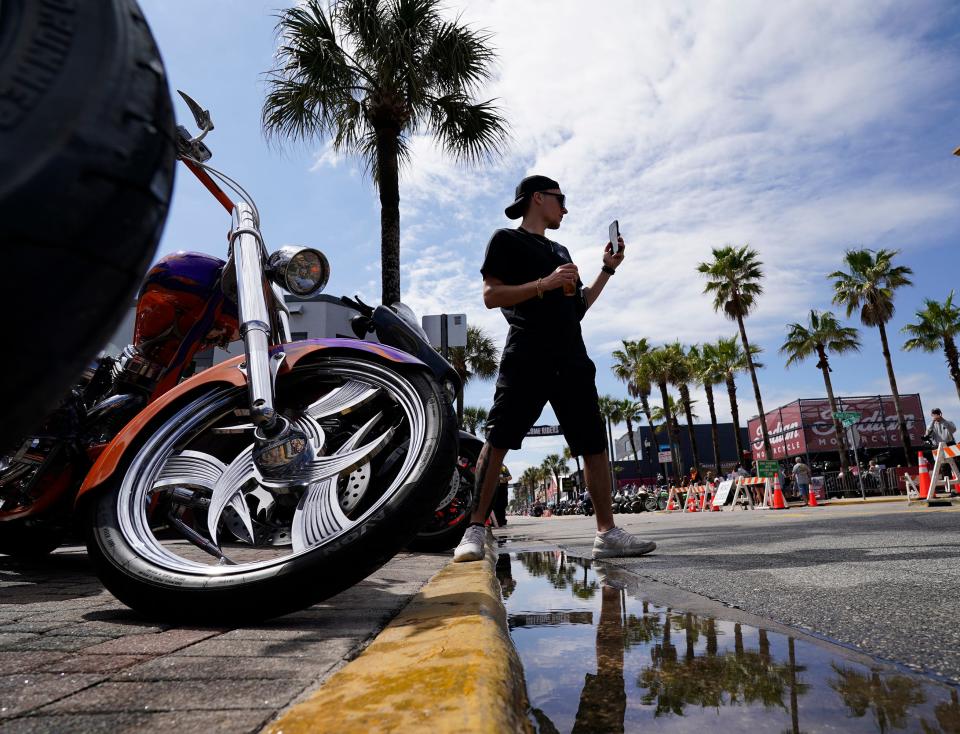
{"x": 86, "y": 170}
{"x": 19, "y": 540}
{"x": 433, "y": 540}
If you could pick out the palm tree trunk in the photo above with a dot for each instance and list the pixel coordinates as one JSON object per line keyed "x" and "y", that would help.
{"x": 610, "y": 460}
{"x": 645, "y": 404}
{"x": 388, "y": 179}
{"x": 904, "y": 434}
{"x": 735, "y": 416}
{"x": 768, "y": 452}
{"x": 953, "y": 361}
{"x": 579, "y": 472}
{"x": 460, "y": 408}
{"x": 824, "y": 366}
{"x": 668, "y": 423}
{"x": 685, "y": 398}
{"x": 675, "y": 435}
{"x": 633, "y": 444}
{"x": 714, "y": 433}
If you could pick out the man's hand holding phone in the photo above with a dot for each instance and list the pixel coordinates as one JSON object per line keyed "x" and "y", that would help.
{"x": 613, "y": 252}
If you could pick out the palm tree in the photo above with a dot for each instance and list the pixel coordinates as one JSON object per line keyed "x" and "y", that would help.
{"x": 630, "y": 366}
{"x": 474, "y": 419}
{"x": 684, "y": 374}
{"x": 555, "y": 465}
{"x": 480, "y": 358}
{"x": 706, "y": 371}
{"x": 528, "y": 480}
{"x": 668, "y": 417}
{"x": 567, "y": 455}
{"x": 937, "y": 326}
{"x": 607, "y": 410}
{"x": 734, "y": 280}
{"x": 367, "y": 75}
{"x": 821, "y": 334}
{"x": 662, "y": 366}
{"x": 869, "y": 287}
{"x": 731, "y": 361}
{"x": 629, "y": 411}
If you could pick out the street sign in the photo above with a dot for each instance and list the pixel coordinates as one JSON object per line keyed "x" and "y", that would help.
{"x": 446, "y": 330}
{"x": 664, "y": 457}
{"x": 847, "y": 417}
{"x": 723, "y": 491}
{"x": 544, "y": 431}
{"x": 767, "y": 468}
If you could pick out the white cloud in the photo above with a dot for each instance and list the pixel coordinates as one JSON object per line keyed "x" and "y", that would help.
{"x": 785, "y": 126}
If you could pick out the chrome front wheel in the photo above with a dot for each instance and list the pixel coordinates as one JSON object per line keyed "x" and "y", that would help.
{"x": 195, "y": 529}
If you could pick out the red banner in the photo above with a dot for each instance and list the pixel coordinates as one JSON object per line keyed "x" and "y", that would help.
{"x": 785, "y": 429}
{"x": 807, "y": 425}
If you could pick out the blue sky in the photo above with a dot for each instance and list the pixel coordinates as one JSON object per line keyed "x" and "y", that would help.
{"x": 801, "y": 128}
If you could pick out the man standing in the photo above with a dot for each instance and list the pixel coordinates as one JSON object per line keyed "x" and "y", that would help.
{"x": 801, "y": 476}
{"x": 941, "y": 430}
{"x": 537, "y": 287}
{"x": 500, "y": 503}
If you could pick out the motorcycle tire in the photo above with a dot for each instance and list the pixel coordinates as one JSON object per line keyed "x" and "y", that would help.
{"x": 159, "y": 576}
{"x": 445, "y": 529}
{"x": 29, "y": 542}
{"x": 650, "y": 504}
{"x": 87, "y": 151}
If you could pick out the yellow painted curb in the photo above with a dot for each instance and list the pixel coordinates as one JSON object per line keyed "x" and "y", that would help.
{"x": 444, "y": 664}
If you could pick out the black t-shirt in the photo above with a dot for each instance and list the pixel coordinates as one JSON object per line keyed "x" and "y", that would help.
{"x": 542, "y": 330}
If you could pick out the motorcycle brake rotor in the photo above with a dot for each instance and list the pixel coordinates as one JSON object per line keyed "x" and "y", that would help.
{"x": 351, "y": 492}
{"x": 265, "y": 534}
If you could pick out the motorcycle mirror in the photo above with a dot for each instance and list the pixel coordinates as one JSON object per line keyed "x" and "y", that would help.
{"x": 200, "y": 115}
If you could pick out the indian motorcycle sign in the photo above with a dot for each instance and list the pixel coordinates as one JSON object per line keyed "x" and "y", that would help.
{"x": 807, "y": 425}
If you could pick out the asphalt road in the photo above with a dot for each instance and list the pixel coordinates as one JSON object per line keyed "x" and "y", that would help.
{"x": 884, "y": 579}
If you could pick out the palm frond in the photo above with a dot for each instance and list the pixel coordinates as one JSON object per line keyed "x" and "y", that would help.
{"x": 469, "y": 131}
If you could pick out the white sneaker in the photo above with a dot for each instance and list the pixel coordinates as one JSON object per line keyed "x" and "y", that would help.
{"x": 618, "y": 543}
{"x": 471, "y": 548}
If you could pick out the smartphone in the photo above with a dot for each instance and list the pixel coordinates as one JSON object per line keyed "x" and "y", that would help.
{"x": 614, "y": 232}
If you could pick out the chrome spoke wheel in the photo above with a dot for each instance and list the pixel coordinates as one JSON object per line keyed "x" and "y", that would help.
{"x": 194, "y": 503}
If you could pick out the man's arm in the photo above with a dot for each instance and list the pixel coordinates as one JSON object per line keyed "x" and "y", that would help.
{"x": 496, "y": 294}
{"x": 592, "y": 292}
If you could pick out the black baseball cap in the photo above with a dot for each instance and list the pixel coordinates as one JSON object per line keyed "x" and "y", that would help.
{"x": 527, "y": 187}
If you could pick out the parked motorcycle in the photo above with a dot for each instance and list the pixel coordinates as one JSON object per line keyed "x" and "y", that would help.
{"x": 446, "y": 526}
{"x": 259, "y": 486}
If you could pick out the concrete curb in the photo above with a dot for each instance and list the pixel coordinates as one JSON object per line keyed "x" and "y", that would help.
{"x": 868, "y": 501}
{"x": 446, "y": 663}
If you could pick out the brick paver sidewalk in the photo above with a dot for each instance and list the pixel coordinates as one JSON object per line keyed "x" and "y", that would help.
{"x": 73, "y": 659}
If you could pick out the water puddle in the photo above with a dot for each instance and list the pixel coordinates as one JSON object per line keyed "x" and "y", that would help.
{"x": 598, "y": 658}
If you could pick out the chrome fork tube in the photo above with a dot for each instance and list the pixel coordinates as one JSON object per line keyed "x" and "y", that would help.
{"x": 254, "y": 314}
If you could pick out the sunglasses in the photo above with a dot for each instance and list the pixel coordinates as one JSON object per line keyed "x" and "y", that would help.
{"x": 561, "y": 198}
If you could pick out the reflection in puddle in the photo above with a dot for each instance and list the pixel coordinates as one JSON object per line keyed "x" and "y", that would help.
{"x": 597, "y": 658}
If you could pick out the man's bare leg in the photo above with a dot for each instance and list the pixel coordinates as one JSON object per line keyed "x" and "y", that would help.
{"x": 596, "y": 471}
{"x": 471, "y": 547}
{"x": 488, "y": 476}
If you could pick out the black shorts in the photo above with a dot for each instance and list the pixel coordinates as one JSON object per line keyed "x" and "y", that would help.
{"x": 570, "y": 389}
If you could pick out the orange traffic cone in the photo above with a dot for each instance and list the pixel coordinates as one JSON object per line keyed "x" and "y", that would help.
{"x": 778, "y": 503}
{"x": 703, "y": 500}
{"x": 812, "y": 497}
{"x": 670, "y": 505}
{"x": 924, "y": 478}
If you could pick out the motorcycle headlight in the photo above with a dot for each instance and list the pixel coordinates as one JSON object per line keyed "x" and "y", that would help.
{"x": 302, "y": 271}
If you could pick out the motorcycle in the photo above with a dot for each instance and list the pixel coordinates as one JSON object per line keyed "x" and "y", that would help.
{"x": 263, "y": 484}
